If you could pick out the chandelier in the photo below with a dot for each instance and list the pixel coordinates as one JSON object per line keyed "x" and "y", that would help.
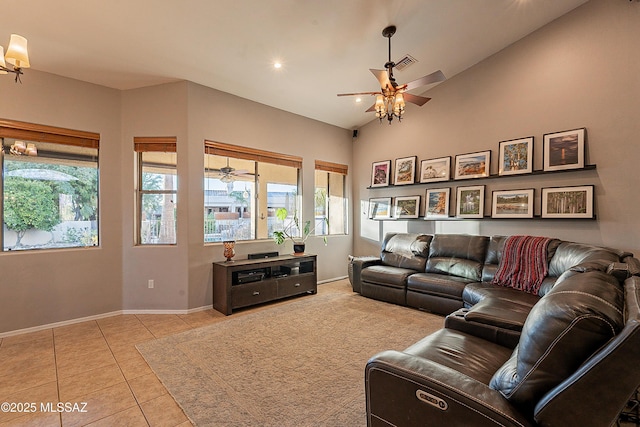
{"x": 17, "y": 56}
{"x": 19, "y": 148}
{"x": 389, "y": 105}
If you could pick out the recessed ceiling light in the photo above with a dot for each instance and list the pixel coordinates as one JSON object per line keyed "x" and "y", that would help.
{"x": 277, "y": 65}
{"x": 358, "y": 99}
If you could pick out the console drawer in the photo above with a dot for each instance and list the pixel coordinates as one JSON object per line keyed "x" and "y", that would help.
{"x": 252, "y": 293}
{"x": 296, "y": 284}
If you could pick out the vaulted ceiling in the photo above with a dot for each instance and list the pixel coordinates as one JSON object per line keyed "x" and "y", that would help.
{"x": 325, "y": 47}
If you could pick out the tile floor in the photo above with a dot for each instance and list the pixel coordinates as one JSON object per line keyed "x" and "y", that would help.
{"x": 96, "y": 363}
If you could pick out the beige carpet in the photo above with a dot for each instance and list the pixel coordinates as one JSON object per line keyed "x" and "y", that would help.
{"x": 294, "y": 364}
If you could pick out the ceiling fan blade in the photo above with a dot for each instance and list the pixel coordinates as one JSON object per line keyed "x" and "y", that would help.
{"x": 239, "y": 172}
{"x": 415, "y": 99}
{"x": 359, "y": 93}
{"x": 434, "y": 77}
{"x": 383, "y": 78}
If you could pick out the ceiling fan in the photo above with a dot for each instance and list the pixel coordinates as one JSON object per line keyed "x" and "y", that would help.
{"x": 227, "y": 174}
{"x": 390, "y": 100}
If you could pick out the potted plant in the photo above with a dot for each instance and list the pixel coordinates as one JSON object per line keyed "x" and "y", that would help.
{"x": 285, "y": 233}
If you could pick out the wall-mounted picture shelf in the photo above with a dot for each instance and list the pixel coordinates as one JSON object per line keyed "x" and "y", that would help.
{"x": 525, "y": 195}
{"x": 490, "y": 177}
{"x": 486, "y": 217}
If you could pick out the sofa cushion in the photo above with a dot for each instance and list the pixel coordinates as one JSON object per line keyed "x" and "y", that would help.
{"x": 501, "y": 313}
{"x": 581, "y": 256}
{"x": 475, "y": 292}
{"x": 579, "y": 315}
{"x": 457, "y": 255}
{"x": 406, "y": 250}
{"x": 437, "y": 284}
{"x": 467, "y": 354}
{"x": 385, "y": 275}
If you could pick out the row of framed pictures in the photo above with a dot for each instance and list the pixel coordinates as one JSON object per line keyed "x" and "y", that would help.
{"x": 556, "y": 202}
{"x": 561, "y": 151}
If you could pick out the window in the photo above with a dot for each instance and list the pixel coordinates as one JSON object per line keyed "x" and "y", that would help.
{"x": 330, "y": 200}
{"x": 49, "y": 187}
{"x": 243, "y": 188}
{"x": 157, "y": 185}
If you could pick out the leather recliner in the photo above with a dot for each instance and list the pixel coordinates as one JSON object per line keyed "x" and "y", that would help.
{"x": 577, "y": 363}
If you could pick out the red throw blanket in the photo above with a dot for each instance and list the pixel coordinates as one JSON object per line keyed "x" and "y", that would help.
{"x": 523, "y": 265}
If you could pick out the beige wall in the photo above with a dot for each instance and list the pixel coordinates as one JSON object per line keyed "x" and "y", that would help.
{"x": 154, "y": 111}
{"x": 47, "y": 287}
{"x": 218, "y": 116}
{"x": 183, "y": 273}
{"x": 582, "y": 70}
{"x": 43, "y": 287}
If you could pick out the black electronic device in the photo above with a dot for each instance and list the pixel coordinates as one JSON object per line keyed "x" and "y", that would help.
{"x": 250, "y": 276}
{"x": 263, "y": 255}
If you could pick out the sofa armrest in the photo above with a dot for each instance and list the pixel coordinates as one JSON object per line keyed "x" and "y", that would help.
{"x": 356, "y": 265}
{"x": 407, "y": 390}
{"x": 634, "y": 265}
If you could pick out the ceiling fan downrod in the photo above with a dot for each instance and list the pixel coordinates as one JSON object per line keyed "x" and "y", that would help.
{"x": 388, "y": 32}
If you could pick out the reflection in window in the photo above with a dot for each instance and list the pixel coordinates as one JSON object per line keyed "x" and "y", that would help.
{"x": 50, "y": 194}
{"x": 242, "y": 193}
{"x": 157, "y": 191}
{"x": 330, "y": 200}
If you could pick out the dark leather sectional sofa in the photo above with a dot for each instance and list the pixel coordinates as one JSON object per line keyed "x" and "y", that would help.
{"x": 568, "y": 355}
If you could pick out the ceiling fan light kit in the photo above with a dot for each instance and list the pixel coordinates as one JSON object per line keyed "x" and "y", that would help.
{"x": 390, "y": 100}
{"x": 17, "y": 55}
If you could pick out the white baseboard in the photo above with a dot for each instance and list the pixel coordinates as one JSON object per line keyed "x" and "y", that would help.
{"x": 120, "y": 312}
{"x": 59, "y": 324}
{"x": 99, "y": 316}
{"x": 332, "y": 280}
{"x": 153, "y": 311}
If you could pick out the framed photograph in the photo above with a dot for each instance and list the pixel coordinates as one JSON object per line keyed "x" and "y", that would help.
{"x": 380, "y": 173}
{"x": 567, "y": 202}
{"x": 380, "y": 208}
{"x": 405, "y": 171}
{"x": 512, "y": 204}
{"x": 515, "y": 156}
{"x": 406, "y": 207}
{"x": 434, "y": 170}
{"x": 473, "y": 165}
{"x": 470, "y": 202}
{"x": 437, "y": 205}
{"x": 564, "y": 150}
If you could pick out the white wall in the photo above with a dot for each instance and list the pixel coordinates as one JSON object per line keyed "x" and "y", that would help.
{"x": 582, "y": 70}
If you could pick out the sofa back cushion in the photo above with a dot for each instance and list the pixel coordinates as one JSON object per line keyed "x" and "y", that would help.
{"x": 578, "y": 316}
{"x": 405, "y": 250}
{"x": 581, "y": 257}
{"x": 457, "y": 255}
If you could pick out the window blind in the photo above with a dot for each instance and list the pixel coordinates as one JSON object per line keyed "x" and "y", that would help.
{"x": 331, "y": 167}
{"x": 165, "y": 144}
{"x": 246, "y": 153}
{"x": 42, "y": 133}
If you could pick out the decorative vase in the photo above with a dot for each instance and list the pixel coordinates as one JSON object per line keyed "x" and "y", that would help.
{"x": 298, "y": 248}
{"x": 229, "y": 251}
